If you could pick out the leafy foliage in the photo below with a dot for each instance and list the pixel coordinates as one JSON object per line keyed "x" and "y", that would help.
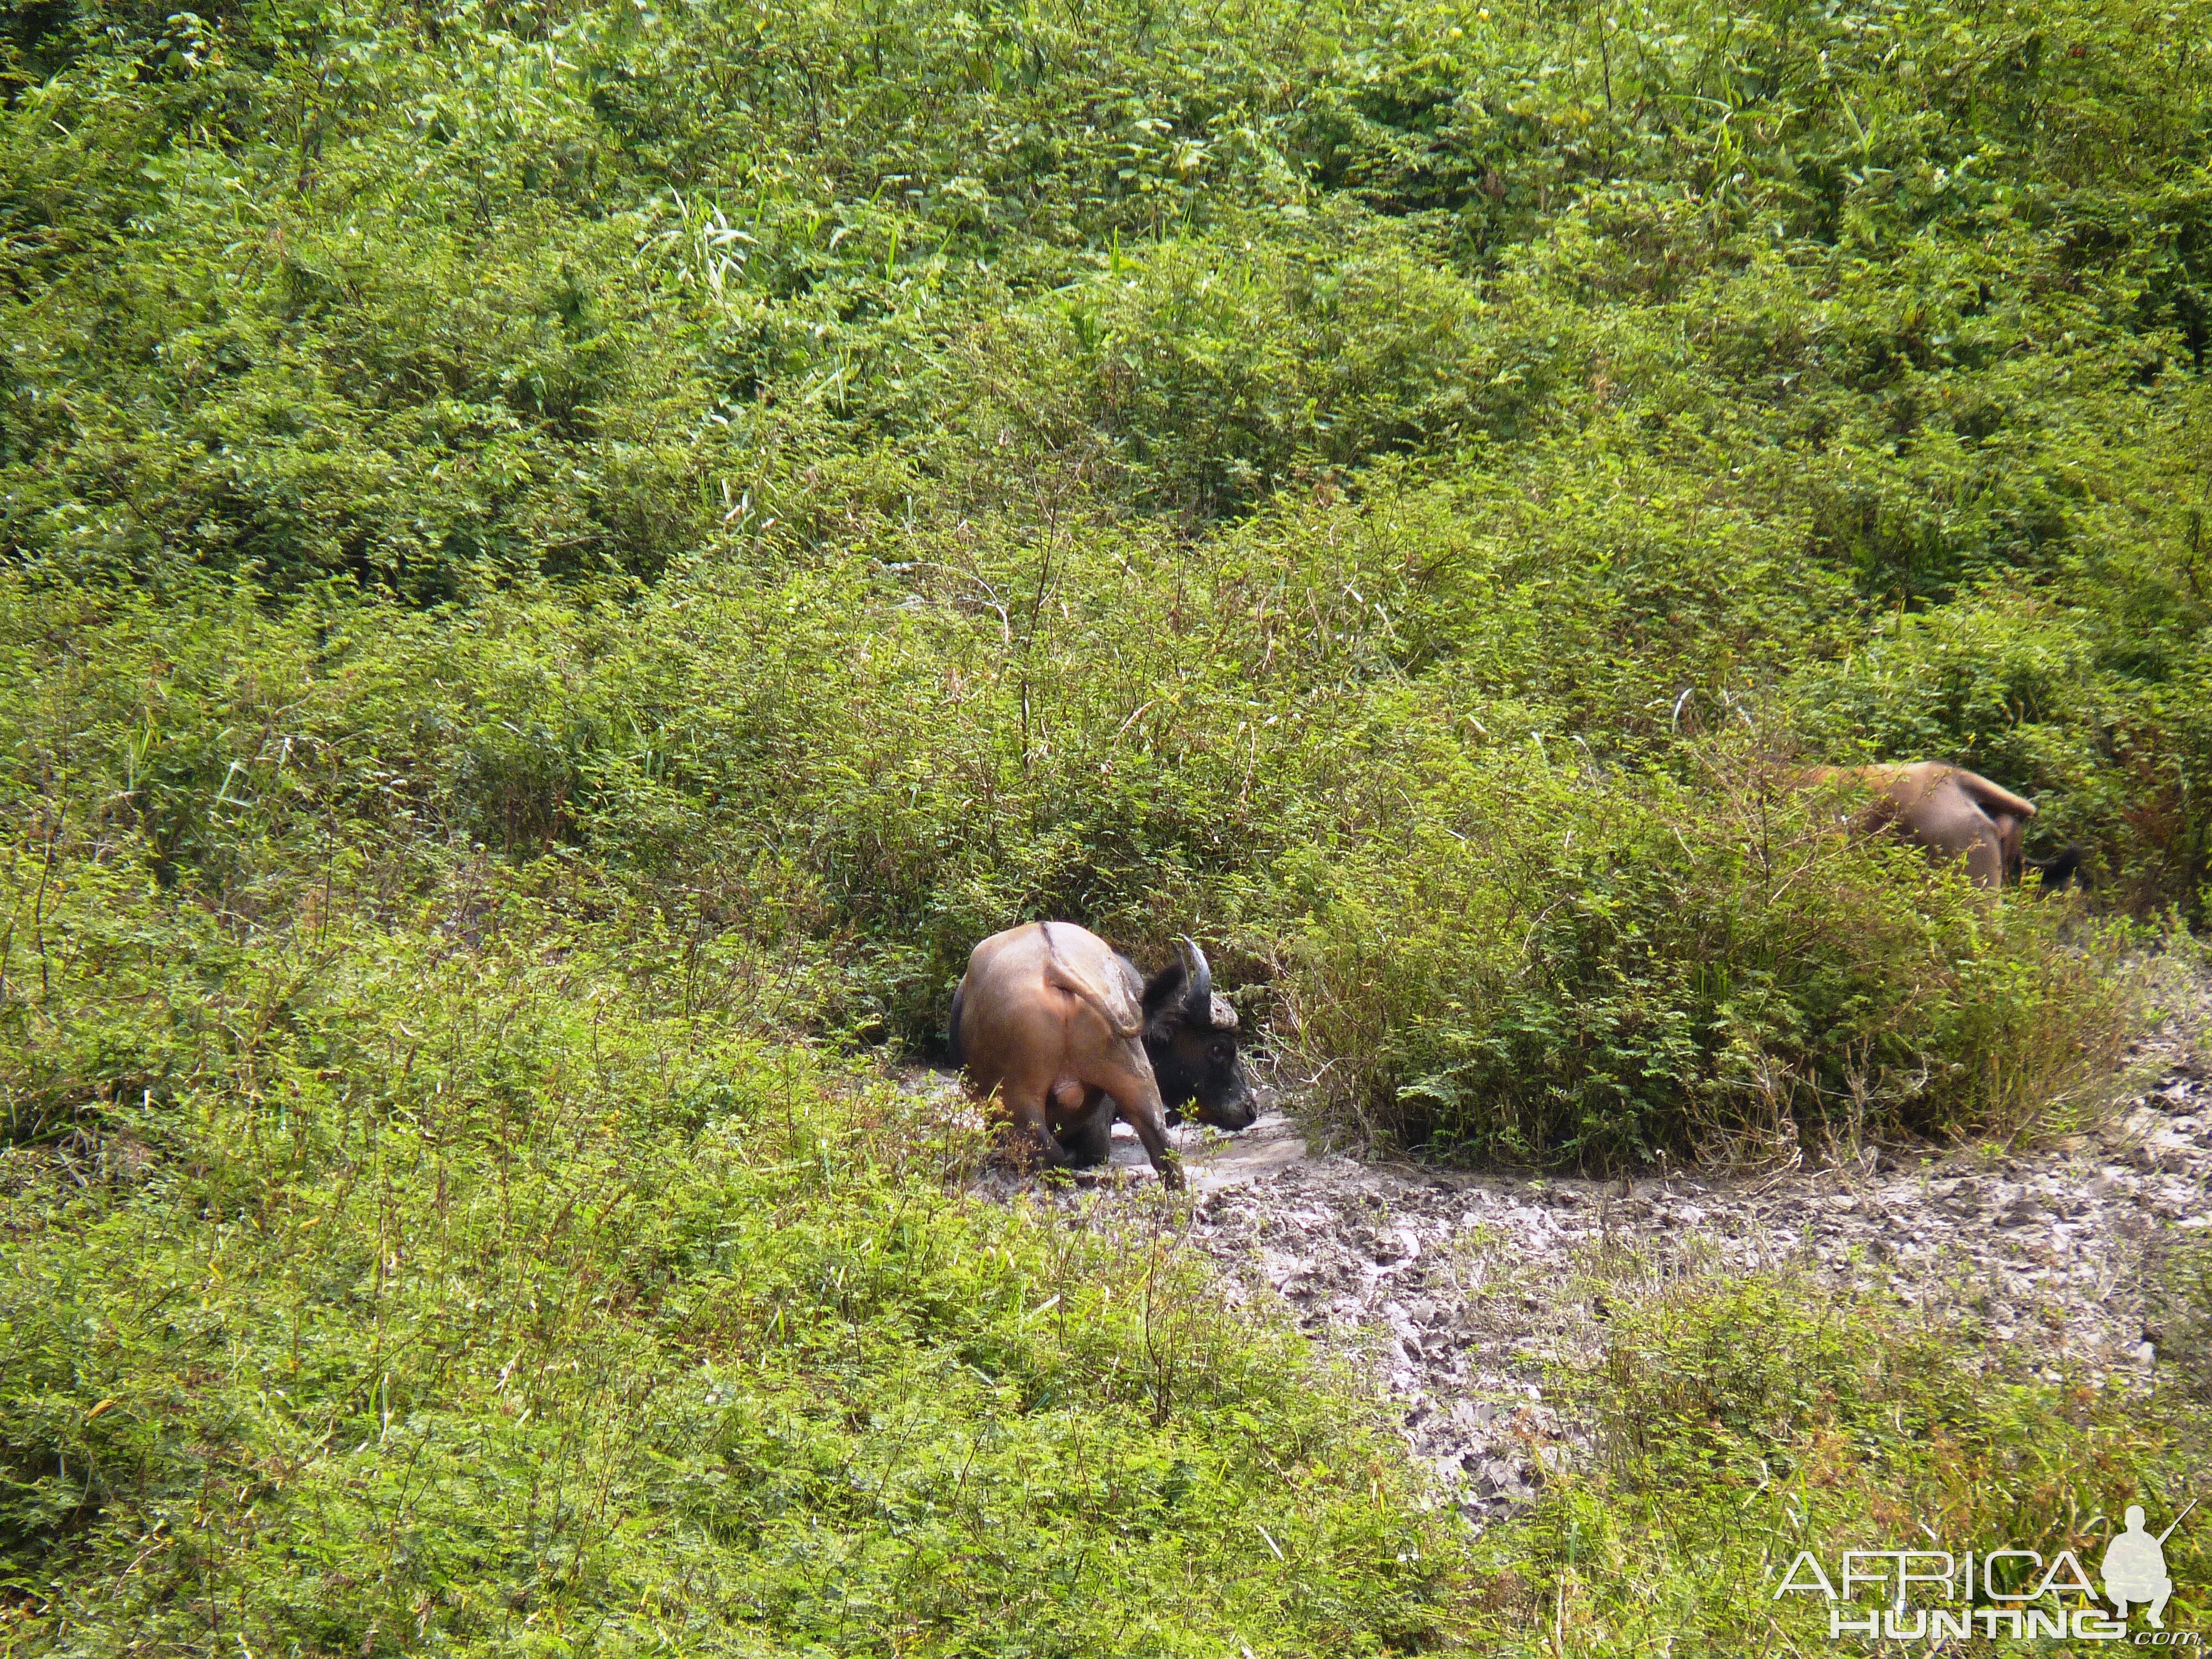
{"x": 480, "y": 1277}
{"x": 578, "y": 558}
{"x": 1552, "y": 963}
{"x": 1742, "y": 1422}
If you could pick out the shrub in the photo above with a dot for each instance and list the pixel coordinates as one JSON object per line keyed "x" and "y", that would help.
{"x": 1737, "y": 1423}
{"x": 1549, "y": 966}
{"x": 480, "y": 1272}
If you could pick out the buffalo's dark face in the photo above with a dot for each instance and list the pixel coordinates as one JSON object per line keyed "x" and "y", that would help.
{"x": 1190, "y": 1036}
{"x": 2063, "y": 871}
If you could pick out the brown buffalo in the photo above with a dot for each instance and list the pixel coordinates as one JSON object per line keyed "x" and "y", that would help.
{"x": 1954, "y": 814}
{"x": 1051, "y": 1022}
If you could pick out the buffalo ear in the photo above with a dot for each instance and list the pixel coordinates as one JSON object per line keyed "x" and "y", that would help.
{"x": 1164, "y": 993}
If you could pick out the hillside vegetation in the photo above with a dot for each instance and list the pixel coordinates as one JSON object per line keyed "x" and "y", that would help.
{"x": 559, "y": 566}
{"x": 1377, "y": 489}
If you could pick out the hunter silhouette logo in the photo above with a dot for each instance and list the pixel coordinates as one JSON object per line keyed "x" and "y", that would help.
{"x": 2135, "y": 1567}
{"x": 1957, "y": 1593}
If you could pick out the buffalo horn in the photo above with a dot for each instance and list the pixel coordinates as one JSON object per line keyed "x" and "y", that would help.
{"x": 1198, "y": 1001}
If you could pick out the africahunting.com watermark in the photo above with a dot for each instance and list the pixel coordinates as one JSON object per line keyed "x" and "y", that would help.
{"x": 2011, "y": 1595}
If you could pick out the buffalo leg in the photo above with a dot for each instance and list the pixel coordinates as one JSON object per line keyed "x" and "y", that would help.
{"x": 1089, "y": 1139}
{"x": 1137, "y": 1098}
{"x": 1033, "y": 1143}
{"x": 1985, "y": 861}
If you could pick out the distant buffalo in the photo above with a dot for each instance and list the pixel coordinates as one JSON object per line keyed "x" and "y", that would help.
{"x": 1954, "y": 814}
{"x": 1065, "y": 1032}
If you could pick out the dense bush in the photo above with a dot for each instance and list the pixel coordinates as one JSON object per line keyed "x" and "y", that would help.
{"x": 1345, "y": 744}
{"x": 482, "y": 1278}
{"x": 1551, "y": 964}
{"x": 559, "y": 563}
{"x": 1737, "y": 347}
{"x": 1738, "y": 1419}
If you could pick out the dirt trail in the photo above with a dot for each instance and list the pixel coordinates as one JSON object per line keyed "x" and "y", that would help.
{"x": 1455, "y": 1289}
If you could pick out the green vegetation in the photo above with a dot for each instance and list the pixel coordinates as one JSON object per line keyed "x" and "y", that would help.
{"x": 1165, "y": 468}
{"x": 558, "y": 566}
{"x": 479, "y": 1280}
{"x": 1175, "y": 471}
{"x": 1743, "y": 1422}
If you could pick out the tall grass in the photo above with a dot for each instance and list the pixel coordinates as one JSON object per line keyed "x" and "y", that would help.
{"x": 1735, "y": 1424}
{"x": 464, "y": 1277}
{"x": 1480, "y": 936}
{"x": 560, "y": 564}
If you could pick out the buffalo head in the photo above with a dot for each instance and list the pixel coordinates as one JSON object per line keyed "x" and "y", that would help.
{"x": 1190, "y": 1036}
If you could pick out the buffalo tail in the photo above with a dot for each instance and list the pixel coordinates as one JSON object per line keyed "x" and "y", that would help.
{"x": 1058, "y": 973}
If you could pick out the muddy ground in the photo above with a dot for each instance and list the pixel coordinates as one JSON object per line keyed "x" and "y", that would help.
{"x": 1456, "y": 1291}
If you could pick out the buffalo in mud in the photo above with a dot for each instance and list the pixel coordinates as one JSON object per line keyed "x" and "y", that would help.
{"x": 1954, "y": 814}
{"x": 1066, "y": 1033}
